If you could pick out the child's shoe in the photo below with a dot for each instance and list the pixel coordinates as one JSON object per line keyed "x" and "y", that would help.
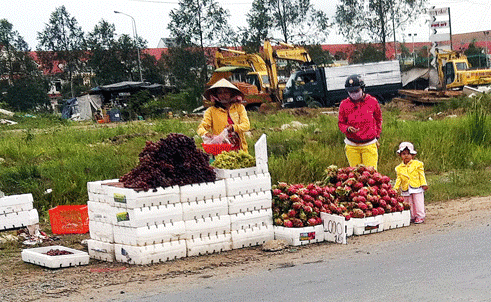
{"x": 418, "y": 220}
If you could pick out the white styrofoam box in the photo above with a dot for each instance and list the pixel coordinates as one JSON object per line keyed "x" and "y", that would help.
{"x": 251, "y": 219}
{"x": 204, "y": 208}
{"x": 101, "y": 231}
{"x": 248, "y": 184}
{"x": 16, "y": 203}
{"x": 349, "y": 228}
{"x": 99, "y": 211}
{"x": 33, "y": 217}
{"x": 389, "y": 221}
{"x": 153, "y": 215}
{"x": 101, "y": 250}
{"x": 149, "y": 254}
{"x": 131, "y": 199}
{"x": 38, "y": 256}
{"x": 252, "y": 236}
{"x": 249, "y": 202}
{"x": 368, "y": 225}
{"x": 207, "y": 226}
{"x": 18, "y": 219}
{"x": 149, "y": 235}
{"x": 209, "y": 244}
{"x": 203, "y": 191}
{"x": 261, "y": 152}
{"x": 300, "y": 236}
{"x": 406, "y": 218}
{"x": 231, "y": 173}
{"x": 96, "y": 186}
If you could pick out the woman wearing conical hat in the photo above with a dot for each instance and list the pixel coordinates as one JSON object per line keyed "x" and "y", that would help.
{"x": 226, "y": 112}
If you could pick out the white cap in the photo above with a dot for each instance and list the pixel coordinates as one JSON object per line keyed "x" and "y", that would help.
{"x": 406, "y": 145}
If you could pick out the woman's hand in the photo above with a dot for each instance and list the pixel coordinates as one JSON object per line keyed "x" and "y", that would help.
{"x": 424, "y": 187}
{"x": 352, "y": 129}
{"x": 208, "y": 135}
{"x": 230, "y": 128}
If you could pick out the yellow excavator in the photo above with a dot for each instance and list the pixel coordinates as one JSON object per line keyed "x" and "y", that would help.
{"x": 256, "y": 74}
{"x": 454, "y": 71}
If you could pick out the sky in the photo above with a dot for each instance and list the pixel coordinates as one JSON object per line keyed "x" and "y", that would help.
{"x": 29, "y": 17}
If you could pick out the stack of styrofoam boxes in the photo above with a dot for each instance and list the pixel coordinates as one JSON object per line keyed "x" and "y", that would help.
{"x": 17, "y": 211}
{"x": 101, "y": 242}
{"x": 147, "y": 227}
{"x": 206, "y": 218}
{"x": 250, "y": 202}
{"x": 396, "y": 219}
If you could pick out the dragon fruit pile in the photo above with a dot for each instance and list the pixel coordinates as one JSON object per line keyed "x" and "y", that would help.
{"x": 353, "y": 192}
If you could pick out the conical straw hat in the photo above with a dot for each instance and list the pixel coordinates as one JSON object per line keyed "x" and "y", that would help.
{"x": 223, "y": 83}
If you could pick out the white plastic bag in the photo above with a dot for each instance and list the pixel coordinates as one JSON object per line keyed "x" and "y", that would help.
{"x": 221, "y": 138}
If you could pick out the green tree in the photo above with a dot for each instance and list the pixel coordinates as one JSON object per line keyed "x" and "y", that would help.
{"x": 318, "y": 55}
{"x": 376, "y": 21}
{"x": 200, "y": 23}
{"x": 298, "y": 22}
{"x": 27, "y": 94}
{"x": 259, "y": 22}
{"x": 182, "y": 70}
{"x": 62, "y": 42}
{"x": 15, "y": 61}
{"x": 110, "y": 59}
{"x": 476, "y": 55}
{"x": 103, "y": 60}
{"x": 365, "y": 53}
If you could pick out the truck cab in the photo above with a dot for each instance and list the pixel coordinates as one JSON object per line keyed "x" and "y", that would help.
{"x": 304, "y": 88}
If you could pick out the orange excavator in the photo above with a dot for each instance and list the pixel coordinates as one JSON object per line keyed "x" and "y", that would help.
{"x": 256, "y": 74}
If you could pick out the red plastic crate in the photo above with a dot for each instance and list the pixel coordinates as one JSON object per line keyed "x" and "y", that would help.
{"x": 216, "y": 149}
{"x": 69, "y": 219}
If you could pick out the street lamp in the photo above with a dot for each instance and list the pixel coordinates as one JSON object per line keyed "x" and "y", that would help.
{"x": 412, "y": 36}
{"x": 136, "y": 42}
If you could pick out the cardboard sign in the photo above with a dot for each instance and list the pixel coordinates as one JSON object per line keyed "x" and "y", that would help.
{"x": 334, "y": 228}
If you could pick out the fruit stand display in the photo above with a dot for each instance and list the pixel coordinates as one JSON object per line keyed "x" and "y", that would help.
{"x": 172, "y": 205}
{"x": 361, "y": 195}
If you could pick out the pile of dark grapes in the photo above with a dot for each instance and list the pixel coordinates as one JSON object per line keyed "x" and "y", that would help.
{"x": 57, "y": 252}
{"x": 174, "y": 160}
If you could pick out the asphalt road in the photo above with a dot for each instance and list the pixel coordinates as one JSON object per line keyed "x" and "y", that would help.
{"x": 445, "y": 266}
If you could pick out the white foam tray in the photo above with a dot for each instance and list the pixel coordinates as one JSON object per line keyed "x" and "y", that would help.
{"x": 16, "y": 203}
{"x": 300, "y": 236}
{"x": 203, "y": 191}
{"x": 150, "y": 254}
{"x": 145, "y": 216}
{"x": 229, "y": 173}
{"x": 149, "y": 235}
{"x": 248, "y": 184}
{"x": 99, "y": 211}
{"x": 101, "y": 231}
{"x": 101, "y": 250}
{"x": 18, "y": 219}
{"x": 209, "y": 244}
{"x": 252, "y": 236}
{"x": 207, "y": 226}
{"x": 368, "y": 225}
{"x": 204, "y": 208}
{"x": 249, "y": 202}
{"x": 129, "y": 198}
{"x": 38, "y": 256}
{"x": 251, "y": 219}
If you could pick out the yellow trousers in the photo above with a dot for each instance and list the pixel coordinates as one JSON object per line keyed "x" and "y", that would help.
{"x": 365, "y": 155}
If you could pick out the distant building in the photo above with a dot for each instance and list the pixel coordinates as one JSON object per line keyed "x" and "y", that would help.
{"x": 166, "y": 43}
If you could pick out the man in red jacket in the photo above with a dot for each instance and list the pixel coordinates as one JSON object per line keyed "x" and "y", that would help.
{"x": 360, "y": 119}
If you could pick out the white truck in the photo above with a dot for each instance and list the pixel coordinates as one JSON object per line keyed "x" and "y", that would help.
{"x": 324, "y": 86}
